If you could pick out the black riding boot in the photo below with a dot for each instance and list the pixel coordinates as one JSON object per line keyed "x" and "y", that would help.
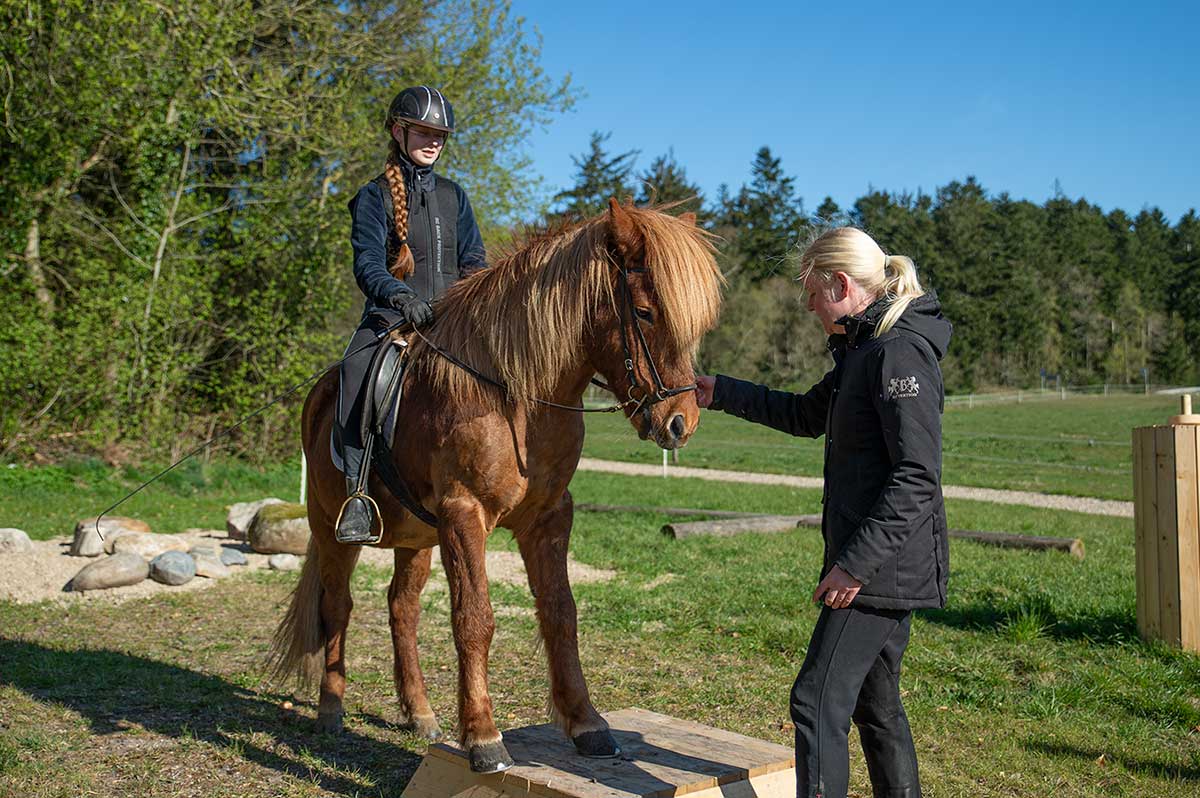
{"x": 358, "y": 520}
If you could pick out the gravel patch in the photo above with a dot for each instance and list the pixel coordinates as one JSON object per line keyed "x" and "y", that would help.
{"x": 41, "y": 573}
{"x": 1079, "y": 504}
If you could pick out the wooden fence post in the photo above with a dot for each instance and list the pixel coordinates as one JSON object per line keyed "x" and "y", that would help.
{"x": 1166, "y": 488}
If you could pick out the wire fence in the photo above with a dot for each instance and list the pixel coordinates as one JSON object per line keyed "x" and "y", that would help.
{"x": 1064, "y": 392}
{"x": 1064, "y": 447}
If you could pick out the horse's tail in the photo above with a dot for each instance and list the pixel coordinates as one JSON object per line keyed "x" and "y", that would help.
{"x": 298, "y": 645}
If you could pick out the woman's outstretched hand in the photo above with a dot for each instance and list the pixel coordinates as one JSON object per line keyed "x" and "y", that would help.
{"x": 704, "y": 389}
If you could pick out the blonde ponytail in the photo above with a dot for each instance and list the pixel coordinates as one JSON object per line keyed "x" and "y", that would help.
{"x": 850, "y": 250}
{"x": 404, "y": 265}
{"x": 901, "y": 288}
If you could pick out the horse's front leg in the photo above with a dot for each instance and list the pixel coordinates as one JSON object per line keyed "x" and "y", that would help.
{"x": 404, "y": 610}
{"x": 544, "y": 548}
{"x": 462, "y": 532}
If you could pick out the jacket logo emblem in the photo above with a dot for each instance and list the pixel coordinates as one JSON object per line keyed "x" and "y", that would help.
{"x": 903, "y": 387}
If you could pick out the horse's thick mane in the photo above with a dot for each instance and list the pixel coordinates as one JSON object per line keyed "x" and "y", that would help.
{"x": 522, "y": 322}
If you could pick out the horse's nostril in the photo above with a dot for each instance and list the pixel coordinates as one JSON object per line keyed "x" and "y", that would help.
{"x": 677, "y": 427}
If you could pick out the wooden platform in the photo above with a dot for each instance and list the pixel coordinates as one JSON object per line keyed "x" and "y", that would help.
{"x": 661, "y": 756}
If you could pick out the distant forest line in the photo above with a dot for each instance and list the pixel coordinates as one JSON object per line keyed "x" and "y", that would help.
{"x": 1060, "y": 289}
{"x": 174, "y": 243}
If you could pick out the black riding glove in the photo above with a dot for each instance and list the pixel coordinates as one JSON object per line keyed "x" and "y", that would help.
{"x": 416, "y": 310}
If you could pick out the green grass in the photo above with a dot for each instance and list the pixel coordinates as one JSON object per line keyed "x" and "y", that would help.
{"x": 1018, "y": 688}
{"x": 1078, "y": 447}
{"x": 48, "y": 501}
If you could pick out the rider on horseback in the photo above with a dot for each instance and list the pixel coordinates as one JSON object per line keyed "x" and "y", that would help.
{"x": 414, "y": 235}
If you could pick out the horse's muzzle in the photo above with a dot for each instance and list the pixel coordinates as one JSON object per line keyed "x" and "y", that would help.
{"x": 673, "y": 434}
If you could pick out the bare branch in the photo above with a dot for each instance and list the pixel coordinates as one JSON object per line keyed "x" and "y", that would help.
{"x": 86, "y": 214}
{"x": 166, "y": 232}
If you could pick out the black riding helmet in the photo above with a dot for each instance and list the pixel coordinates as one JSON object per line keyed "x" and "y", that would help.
{"x": 421, "y": 105}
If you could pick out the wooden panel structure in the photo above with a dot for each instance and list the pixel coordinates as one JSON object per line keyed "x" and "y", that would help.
{"x": 661, "y": 756}
{"x": 1166, "y": 473}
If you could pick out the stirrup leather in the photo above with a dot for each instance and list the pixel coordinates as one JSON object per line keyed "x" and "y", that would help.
{"x": 375, "y": 528}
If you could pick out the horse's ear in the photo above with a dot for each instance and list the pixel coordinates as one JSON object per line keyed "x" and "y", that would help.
{"x": 688, "y": 217}
{"x": 623, "y": 232}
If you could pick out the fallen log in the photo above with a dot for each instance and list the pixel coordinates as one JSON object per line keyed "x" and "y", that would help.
{"x": 733, "y": 523}
{"x": 1005, "y": 540}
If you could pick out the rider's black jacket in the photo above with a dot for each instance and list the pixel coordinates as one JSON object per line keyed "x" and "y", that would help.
{"x": 880, "y": 409}
{"x": 442, "y": 234}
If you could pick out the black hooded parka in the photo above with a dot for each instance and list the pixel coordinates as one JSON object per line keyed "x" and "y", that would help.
{"x": 880, "y": 407}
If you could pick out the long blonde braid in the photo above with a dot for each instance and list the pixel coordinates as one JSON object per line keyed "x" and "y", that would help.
{"x": 403, "y": 266}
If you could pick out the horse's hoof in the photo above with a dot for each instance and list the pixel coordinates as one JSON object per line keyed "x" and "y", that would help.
{"x": 329, "y": 722}
{"x": 426, "y": 727}
{"x": 489, "y": 757}
{"x": 597, "y": 744}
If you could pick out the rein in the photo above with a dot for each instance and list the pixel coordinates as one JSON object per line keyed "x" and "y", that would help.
{"x": 646, "y": 399}
{"x": 502, "y": 387}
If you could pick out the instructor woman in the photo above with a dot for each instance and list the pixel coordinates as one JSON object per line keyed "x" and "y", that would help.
{"x": 884, "y": 523}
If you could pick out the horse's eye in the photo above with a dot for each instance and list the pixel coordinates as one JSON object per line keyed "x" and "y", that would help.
{"x": 645, "y": 314}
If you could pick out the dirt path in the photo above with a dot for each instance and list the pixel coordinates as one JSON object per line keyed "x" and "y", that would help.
{"x": 1077, "y": 504}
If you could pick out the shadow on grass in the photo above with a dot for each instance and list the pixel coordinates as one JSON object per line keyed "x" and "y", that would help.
{"x": 1135, "y": 764}
{"x": 1115, "y": 628}
{"x": 110, "y": 689}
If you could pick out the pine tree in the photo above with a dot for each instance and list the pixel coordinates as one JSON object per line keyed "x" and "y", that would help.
{"x": 598, "y": 178}
{"x": 767, "y": 217}
{"x": 666, "y": 182}
{"x": 828, "y": 212}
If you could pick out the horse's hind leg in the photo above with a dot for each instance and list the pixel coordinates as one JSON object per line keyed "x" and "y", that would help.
{"x": 544, "y": 549}
{"x": 404, "y": 609}
{"x": 337, "y": 563}
{"x": 462, "y": 533}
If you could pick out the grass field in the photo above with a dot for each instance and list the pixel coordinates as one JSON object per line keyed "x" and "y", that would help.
{"x": 1032, "y": 681}
{"x": 1078, "y": 447}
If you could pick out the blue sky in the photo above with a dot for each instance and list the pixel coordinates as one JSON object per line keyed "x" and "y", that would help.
{"x": 1102, "y": 97}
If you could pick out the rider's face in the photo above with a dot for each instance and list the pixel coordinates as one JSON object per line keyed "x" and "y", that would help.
{"x": 424, "y": 144}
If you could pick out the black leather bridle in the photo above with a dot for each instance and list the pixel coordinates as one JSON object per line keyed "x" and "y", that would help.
{"x": 661, "y": 392}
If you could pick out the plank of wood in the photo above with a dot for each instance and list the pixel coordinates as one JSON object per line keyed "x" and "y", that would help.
{"x": 1187, "y": 511}
{"x": 440, "y": 778}
{"x": 1147, "y": 446}
{"x": 662, "y": 756}
{"x": 734, "y": 526}
{"x": 1139, "y": 530}
{"x": 1167, "y": 534}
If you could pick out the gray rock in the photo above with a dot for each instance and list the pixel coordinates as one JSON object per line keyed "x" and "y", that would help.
{"x": 14, "y": 541}
{"x": 283, "y": 562}
{"x": 210, "y": 566}
{"x": 280, "y": 529}
{"x": 231, "y": 556}
{"x": 89, "y": 544}
{"x": 148, "y": 545}
{"x": 204, "y": 549}
{"x": 114, "y": 571}
{"x": 241, "y": 516}
{"x": 173, "y": 568}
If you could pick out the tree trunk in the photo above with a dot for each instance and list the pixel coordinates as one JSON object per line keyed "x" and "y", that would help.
{"x": 33, "y": 260}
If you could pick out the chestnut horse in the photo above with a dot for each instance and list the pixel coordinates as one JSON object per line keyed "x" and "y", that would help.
{"x": 628, "y": 295}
